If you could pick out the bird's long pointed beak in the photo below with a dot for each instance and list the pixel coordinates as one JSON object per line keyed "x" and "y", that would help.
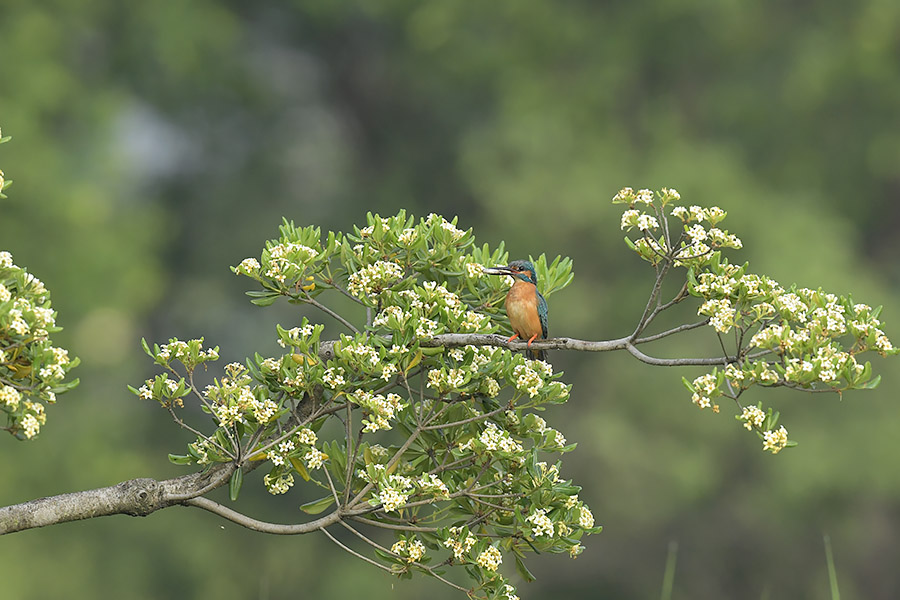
{"x": 499, "y": 270}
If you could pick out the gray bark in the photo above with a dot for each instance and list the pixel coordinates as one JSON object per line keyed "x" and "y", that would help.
{"x": 135, "y": 497}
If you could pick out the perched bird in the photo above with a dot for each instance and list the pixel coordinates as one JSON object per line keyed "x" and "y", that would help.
{"x": 525, "y": 306}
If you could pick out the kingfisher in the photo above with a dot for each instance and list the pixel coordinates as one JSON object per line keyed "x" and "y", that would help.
{"x": 525, "y": 306}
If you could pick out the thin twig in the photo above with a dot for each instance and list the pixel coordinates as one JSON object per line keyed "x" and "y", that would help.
{"x": 382, "y": 525}
{"x": 262, "y": 526}
{"x": 310, "y": 300}
{"x": 480, "y": 417}
{"x": 355, "y": 553}
{"x": 673, "y": 331}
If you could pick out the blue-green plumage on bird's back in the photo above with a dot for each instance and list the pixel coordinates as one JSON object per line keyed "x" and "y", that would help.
{"x": 525, "y": 306}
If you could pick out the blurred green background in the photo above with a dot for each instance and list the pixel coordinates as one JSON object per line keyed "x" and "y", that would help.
{"x": 157, "y": 143}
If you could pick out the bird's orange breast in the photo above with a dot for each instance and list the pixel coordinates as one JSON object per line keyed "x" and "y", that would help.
{"x": 522, "y": 310}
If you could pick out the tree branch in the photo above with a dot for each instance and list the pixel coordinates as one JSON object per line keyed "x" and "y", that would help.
{"x": 262, "y": 526}
{"x": 135, "y": 497}
{"x": 455, "y": 340}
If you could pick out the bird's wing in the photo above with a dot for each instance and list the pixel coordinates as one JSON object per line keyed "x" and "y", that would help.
{"x": 543, "y": 313}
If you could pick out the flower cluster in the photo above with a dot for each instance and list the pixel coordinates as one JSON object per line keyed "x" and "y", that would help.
{"x": 635, "y": 218}
{"x": 530, "y": 377}
{"x": 234, "y": 400}
{"x": 394, "y": 491}
{"x": 721, "y": 314}
{"x": 426, "y": 310}
{"x": 189, "y": 353}
{"x": 32, "y": 370}
{"x": 278, "y": 484}
{"x": 460, "y": 542}
{"x": 540, "y": 523}
{"x": 699, "y": 238}
{"x": 753, "y": 417}
{"x": 706, "y": 387}
{"x": 301, "y": 444}
{"x": 629, "y": 196}
{"x": 804, "y": 329}
{"x": 448, "y": 379}
{"x": 295, "y": 336}
{"x": 493, "y": 439}
{"x": 380, "y": 409}
{"x": 554, "y": 439}
{"x": 452, "y": 231}
{"x": 410, "y": 550}
{"x": 490, "y": 559}
{"x": 288, "y": 259}
{"x": 432, "y": 484}
{"x": 775, "y": 440}
{"x": 375, "y": 278}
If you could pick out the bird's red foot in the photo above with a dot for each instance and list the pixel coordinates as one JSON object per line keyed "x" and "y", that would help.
{"x": 513, "y": 337}
{"x": 531, "y": 339}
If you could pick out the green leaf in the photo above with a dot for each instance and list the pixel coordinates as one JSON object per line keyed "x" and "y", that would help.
{"x": 264, "y": 301}
{"x": 234, "y": 486}
{"x": 180, "y": 459}
{"x": 872, "y": 384}
{"x": 317, "y": 506}
{"x": 299, "y": 467}
{"x": 523, "y": 571}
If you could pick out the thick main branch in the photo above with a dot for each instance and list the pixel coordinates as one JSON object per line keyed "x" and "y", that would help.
{"x": 135, "y": 497}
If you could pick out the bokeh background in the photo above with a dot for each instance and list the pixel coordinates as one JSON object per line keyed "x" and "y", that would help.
{"x": 157, "y": 143}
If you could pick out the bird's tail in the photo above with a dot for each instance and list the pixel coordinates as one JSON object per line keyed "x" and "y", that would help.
{"x": 536, "y": 354}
